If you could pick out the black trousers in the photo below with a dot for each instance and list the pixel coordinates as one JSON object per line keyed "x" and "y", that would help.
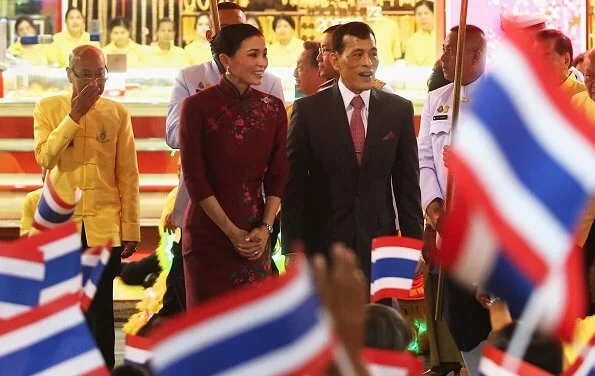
{"x": 174, "y": 299}
{"x": 100, "y": 316}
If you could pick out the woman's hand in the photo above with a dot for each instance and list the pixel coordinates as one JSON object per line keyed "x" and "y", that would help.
{"x": 256, "y": 243}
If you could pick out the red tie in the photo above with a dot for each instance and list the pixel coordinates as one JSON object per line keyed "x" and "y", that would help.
{"x": 356, "y": 126}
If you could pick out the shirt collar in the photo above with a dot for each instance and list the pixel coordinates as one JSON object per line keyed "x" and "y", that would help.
{"x": 348, "y": 95}
{"x": 469, "y": 90}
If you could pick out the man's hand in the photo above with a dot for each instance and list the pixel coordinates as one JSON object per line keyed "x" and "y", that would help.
{"x": 168, "y": 226}
{"x": 83, "y": 101}
{"x": 128, "y": 248}
{"x": 435, "y": 212}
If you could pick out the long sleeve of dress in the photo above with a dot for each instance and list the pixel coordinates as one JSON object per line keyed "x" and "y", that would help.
{"x": 275, "y": 177}
{"x": 192, "y": 153}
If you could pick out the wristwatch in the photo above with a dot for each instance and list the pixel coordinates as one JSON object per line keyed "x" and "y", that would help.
{"x": 269, "y": 227}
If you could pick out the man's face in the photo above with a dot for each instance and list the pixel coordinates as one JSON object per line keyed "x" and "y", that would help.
{"x": 89, "y": 69}
{"x": 449, "y": 56}
{"x": 590, "y": 75}
{"x": 357, "y": 64}
{"x": 558, "y": 64}
{"x": 165, "y": 33}
{"x": 325, "y": 68}
{"x": 306, "y": 76}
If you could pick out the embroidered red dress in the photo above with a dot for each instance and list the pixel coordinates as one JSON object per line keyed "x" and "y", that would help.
{"x": 231, "y": 146}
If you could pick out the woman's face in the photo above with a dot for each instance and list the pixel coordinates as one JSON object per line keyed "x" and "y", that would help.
{"x": 424, "y": 18}
{"x": 74, "y": 22}
{"x": 166, "y": 33}
{"x": 119, "y": 35}
{"x": 250, "y": 61}
{"x": 284, "y": 30}
{"x": 25, "y": 29}
{"x": 202, "y": 25}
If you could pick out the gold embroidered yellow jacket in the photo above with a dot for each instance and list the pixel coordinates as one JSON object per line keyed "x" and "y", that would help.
{"x": 98, "y": 156}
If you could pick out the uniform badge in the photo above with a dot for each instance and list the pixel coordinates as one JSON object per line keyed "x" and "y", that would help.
{"x": 443, "y": 109}
{"x": 102, "y": 136}
{"x": 440, "y": 117}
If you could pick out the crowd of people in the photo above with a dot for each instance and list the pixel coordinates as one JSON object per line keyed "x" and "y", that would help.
{"x": 345, "y": 166}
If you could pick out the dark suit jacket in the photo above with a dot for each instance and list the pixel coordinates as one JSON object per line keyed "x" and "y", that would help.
{"x": 329, "y": 197}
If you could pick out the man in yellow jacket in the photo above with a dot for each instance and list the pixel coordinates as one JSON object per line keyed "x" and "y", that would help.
{"x": 89, "y": 141}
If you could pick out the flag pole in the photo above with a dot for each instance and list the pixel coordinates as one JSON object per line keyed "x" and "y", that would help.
{"x": 215, "y": 16}
{"x": 455, "y": 118}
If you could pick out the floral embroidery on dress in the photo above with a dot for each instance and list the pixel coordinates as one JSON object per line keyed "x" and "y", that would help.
{"x": 252, "y": 118}
{"x": 254, "y": 205}
{"x": 252, "y": 271}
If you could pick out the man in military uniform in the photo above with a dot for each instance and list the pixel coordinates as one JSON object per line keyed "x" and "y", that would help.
{"x": 467, "y": 320}
{"x": 326, "y": 69}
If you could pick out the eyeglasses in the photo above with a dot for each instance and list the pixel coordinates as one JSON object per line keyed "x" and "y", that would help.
{"x": 91, "y": 77}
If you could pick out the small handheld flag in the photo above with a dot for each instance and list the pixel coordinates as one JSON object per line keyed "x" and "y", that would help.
{"x": 491, "y": 364}
{"x": 53, "y": 209}
{"x": 94, "y": 261}
{"x": 585, "y": 364}
{"x": 391, "y": 363}
{"x": 394, "y": 262}
{"x": 137, "y": 350}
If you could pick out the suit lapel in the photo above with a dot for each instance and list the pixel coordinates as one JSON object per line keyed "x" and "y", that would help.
{"x": 375, "y": 129}
{"x": 338, "y": 118}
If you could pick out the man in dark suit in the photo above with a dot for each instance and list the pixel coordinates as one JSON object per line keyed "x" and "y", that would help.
{"x": 346, "y": 145}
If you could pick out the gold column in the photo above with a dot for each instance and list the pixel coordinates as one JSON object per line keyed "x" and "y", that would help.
{"x": 89, "y": 6}
{"x": 143, "y": 15}
{"x": 84, "y": 12}
{"x": 154, "y": 17}
{"x": 170, "y": 12}
{"x": 104, "y": 19}
{"x": 114, "y": 8}
{"x": 161, "y": 8}
{"x": 133, "y": 10}
{"x": 75, "y": 3}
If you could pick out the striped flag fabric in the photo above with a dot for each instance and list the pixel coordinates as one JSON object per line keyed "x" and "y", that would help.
{"x": 394, "y": 262}
{"x": 137, "y": 350}
{"x": 94, "y": 261}
{"x": 585, "y": 364}
{"x": 391, "y": 363}
{"x": 22, "y": 272}
{"x": 523, "y": 168}
{"x": 51, "y": 339}
{"x": 277, "y": 327}
{"x": 53, "y": 209}
{"x": 61, "y": 249}
{"x": 492, "y": 364}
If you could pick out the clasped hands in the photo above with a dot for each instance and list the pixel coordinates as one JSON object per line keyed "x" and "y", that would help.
{"x": 250, "y": 245}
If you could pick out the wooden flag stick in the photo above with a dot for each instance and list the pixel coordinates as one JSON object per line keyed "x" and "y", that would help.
{"x": 215, "y": 16}
{"x": 455, "y": 118}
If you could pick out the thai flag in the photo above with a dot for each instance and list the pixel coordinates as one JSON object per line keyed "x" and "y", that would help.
{"x": 585, "y": 364}
{"x": 52, "y": 209}
{"x": 51, "y": 339}
{"x": 391, "y": 363}
{"x": 278, "y": 327}
{"x": 394, "y": 261}
{"x": 94, "y": 261}
{"x": 61, "y": 249}
{"x": 22, "y": 272}
{"x": 137, "y": 350}
{"x": 492, "y": 364}
{"x": 523, "y": 162}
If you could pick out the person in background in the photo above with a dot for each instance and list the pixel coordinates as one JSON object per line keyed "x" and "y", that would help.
{"x": 199, "y": 50}
{"x": 67, "y": 40}
{"x": 326, "y": 69}
{"x": 164, "y": 53}
{"x": 386, "y": 328}
{"x": 120, "y": 43}
{"x": 387, "y": 34}
{"x": 242, "y": 134}
{"x": 306, "y": 73}
{"x": 35, "y": 54}
{"x": 420, "y": 49}
{"x": 437, "y": 79}
{"x": 578, "y": 63}
{"x": 555, "y": 49}
{"x": 30, "y": 206}
{"x": 87, "y": 140}
{"x": 253, "y": 20}
{"x": 287, "y": 48}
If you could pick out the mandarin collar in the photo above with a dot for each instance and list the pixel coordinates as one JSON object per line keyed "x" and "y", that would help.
{"x": 230, "y": 90}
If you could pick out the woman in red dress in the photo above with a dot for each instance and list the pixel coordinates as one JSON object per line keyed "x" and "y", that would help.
{"x": 232, "y": 142}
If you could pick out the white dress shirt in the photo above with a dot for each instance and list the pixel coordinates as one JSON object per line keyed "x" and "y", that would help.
{"x": 348, "y": 96}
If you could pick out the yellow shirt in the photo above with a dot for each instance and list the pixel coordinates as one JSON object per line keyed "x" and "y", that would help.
{"x": 285, "y": 56}
{"x": 63, "y": 45}
{"x": 572, "y": 86}
{"x": 29, "y": 207}
{"x": 98, "y": 156}
{"x": 135, "y": 53}
{"x": 421, "y": 49}
{"x": 198, "y": 52}
{"x": 387, "y": 40}
{"x": 175, "y": 57}
{"x": 35, "y": 54}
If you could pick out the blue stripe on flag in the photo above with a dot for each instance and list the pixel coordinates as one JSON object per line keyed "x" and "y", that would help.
{"x": 62, "y": 268}
{"x": 50, "y": 351}
{"x": 49, "y": 214}
{"x": 250, "y": 344}
{"x": 393, "y": 267}
{"x": 509, "y": 283}
{"x": 87, "y": 270}
{"x": 21, "y": 291}
{"x": 532, "y": 165}
{"x": 97, "y": 273}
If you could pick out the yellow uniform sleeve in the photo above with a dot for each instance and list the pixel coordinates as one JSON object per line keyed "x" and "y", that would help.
{"x": 50, "y": 142}
{"x": 127, "y": 180}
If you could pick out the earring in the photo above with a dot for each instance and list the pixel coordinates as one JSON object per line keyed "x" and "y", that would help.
{"x": 227, "y": 71}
